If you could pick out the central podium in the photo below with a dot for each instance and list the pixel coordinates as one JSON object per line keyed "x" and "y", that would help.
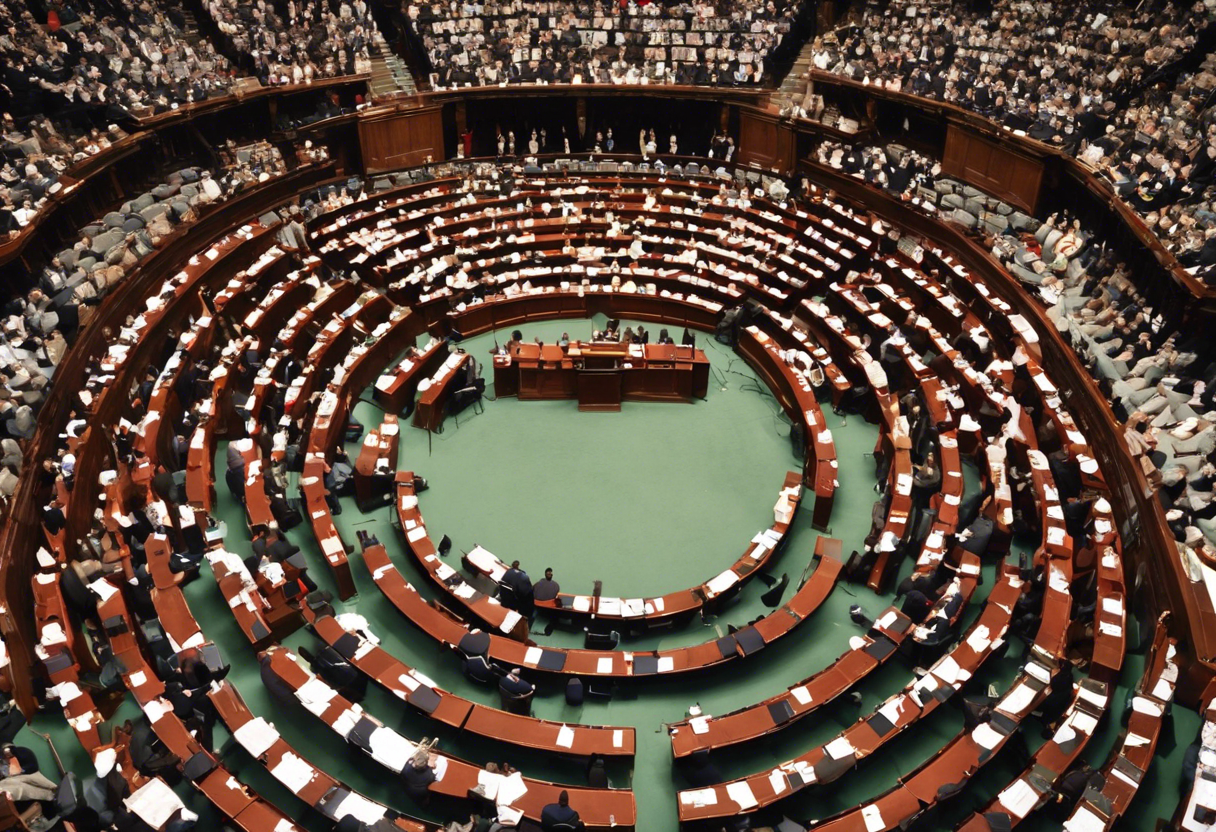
{"x": 602, "y": 374}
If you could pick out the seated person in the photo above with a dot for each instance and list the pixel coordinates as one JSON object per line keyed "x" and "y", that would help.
{"x": 20, "y": 778}
{"x": 559, "y": 816}
{"x": 546, "y": 589}
{"x": 417, "y": 775}
{"x": 516, "y": 693}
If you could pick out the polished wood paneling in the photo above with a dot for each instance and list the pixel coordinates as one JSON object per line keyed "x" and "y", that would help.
{"x": 401, "y": 139}
{"x": 765, "y": 141}
{"x": 996, "y": 168}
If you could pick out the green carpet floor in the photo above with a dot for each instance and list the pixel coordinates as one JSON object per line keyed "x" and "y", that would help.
{"x": 648, "y": 500}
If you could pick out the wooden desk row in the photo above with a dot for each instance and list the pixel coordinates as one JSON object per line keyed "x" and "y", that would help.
{"x": 330, "y": 413}
{"x": 866, "y": 653}
{"x": 396, "y": 388}
{"x": 1076, "y": 727}
{"x": 320, "y": 791}
{"x": 513, "y": 796}
{"x": 435, "y": 391}
{"x": 1125, "y": 771}
{"x": 674, "y": 606}
{"x": 439, "y": 625}
{"x": 233, "y": 799}
{"x": 959, "y": 760}
{"x": 686, "y": 210}
{"x": 1197, "y": 807}
{"x": 953, "y": 766}
{"x": 826, "y": 763}
{"x": 411, "y": 686}
{"x": 377, "y": 460}
{"x": 1033, "y": 788}
{"x": 787, "y": 375}
{"x": 60, "y": 650}
{"x": 518, "y": 308}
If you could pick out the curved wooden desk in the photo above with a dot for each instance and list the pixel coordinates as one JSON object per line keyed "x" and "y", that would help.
{"x": 416, "y": 689}
{"x": 436, "y": 623}
{"x": 598, "y": 808}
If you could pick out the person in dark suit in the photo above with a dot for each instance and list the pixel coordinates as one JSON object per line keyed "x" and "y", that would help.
{"x": 520, "y": 584}
{"x": 546, "y": 589}
{"x": 278, "y": 688}
{"x": 559, "y": 816}
{"x": 916, "y": 606}
{"x": 53, "y": 517}
{"x": 417, "y": 775}
{"x": 337, "y": 672}
{"x": 516, "y": 692}
{"x": 1073, "y": 784}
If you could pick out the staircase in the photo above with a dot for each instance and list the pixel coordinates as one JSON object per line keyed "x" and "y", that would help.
{"x": 793, "y": 88}
{"x": 390, "y": 76}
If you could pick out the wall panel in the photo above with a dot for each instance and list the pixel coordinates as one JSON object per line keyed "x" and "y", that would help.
{"x": 398, "y": 140}
{"x": 993, "y": 167}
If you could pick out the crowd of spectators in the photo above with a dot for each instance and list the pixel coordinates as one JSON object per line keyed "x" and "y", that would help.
{"x": 35, "y": 154}
{"x": 1158, "y": 381}
{"x": 1105, "y": 83}
{"x": 72, "y": 76}
{"x": 93, "y": 65}
{"x": 308, "y": 42}
{"x": 706, "y": 42}
{"x": 35, "y": 329}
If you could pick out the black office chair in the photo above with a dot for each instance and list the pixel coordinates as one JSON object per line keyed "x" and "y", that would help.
{"x": 466, "y": 397}
{"x": 773, "y": 596}
{"x": 688, "y": 340}
{"x": 600, "y": 636}
{"x": 516, "y": 335}
{"x": 664, "y": 338}
{"x": 445, "y": 546}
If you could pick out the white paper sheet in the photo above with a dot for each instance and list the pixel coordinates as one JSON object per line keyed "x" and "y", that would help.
{"x": 293, "y": 772}
{"x": 1019, "y": 798}
{"x": 257, "y": 736}
{"x": 872, "y": 816}
{"x": 839, "y": 748}
{"x": 741, "y": 793}
{"x": 699, "y": 797}
{"x": 154, "y": 802}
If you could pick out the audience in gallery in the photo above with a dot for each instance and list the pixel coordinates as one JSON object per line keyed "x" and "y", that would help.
{"x": 303, "y": 41}
{"x": 105, "y": 59}
{"x": 546, "y": 41}
{"x": 70, "y": 287}
{"x": 1158, "y": 386}
{"x": 36, "y": 154}
{"x": 1107, "y": 84}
